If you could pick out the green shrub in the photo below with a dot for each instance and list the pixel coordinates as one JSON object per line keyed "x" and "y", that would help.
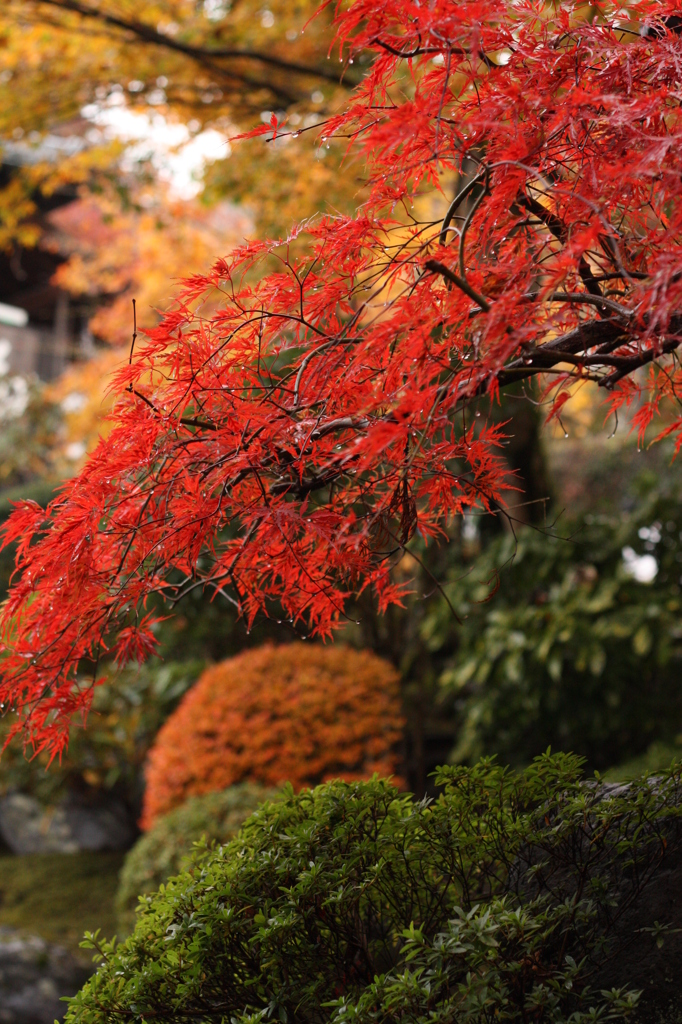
{"x": 160, "y": 853}
{"x": 571, "y": 650}
{"x": 354, "y": 904}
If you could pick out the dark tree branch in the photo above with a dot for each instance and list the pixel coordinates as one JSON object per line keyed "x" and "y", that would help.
{"x": 204, "y": 56}
{"x": 419, "y": 51}
{"x": 642, "y": 359}
{"x": 604, "y": 336}
{"x": 455, "y": 204}
{"x": 558, "y": 229}
{"x": 590, "y": 300}
{"x": 439, "y": 268}
{"x": 300, "y": 488}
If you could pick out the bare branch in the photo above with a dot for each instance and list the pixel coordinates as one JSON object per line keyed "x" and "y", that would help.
{"x": 205, "y": 56}
{"x": 590, "y": 300}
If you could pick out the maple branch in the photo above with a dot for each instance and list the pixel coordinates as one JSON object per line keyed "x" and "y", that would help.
{"x": 439, "y": 268}
{"x": 419, "y": 51}
{"x": 186, "y": 421}
{"x": 342, "y": 423}
{"x": 606, "y": 336}
{"x": 300, "y": 488}
{"x": 591, "y": 300}
{"x": 639, "y": 360}
{"x": 454, "y": 205}
{"x": 193, "y": 421}
{"x": 468, "y": 219}
{"x": 205, "y": 56}
{"x": 558, "y": 229}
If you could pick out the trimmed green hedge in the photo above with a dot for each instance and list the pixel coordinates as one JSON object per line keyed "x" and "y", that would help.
{"x": 160, "y": 853}
{"x": 354, "y": 904}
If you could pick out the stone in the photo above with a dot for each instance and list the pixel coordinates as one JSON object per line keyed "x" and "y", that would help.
{"x": 33, "y": 977}
{"x": 26, "y": 826}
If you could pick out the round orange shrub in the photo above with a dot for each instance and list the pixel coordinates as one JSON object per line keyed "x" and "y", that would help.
{"x": 298, "y": 713}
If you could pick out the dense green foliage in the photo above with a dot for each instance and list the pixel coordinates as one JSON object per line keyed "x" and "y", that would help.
{"x": 354, "y": 903}
{"x": 161, "y": 851}
{"x": 571, "y": 650}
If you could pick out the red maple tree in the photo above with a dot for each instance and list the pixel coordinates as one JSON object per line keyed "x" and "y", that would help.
{"x": 282, "y": 446}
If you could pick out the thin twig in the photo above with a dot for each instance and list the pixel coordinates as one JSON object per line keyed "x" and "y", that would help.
{"x": 132, "y": 344}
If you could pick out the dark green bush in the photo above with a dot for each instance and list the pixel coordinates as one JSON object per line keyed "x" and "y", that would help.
{"x": 161, "y": 851}
{"x": 352, "y": 903}
{"x": 571, "y": 650}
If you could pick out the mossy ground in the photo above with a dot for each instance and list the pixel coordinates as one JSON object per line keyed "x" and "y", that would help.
{"x": 59, "y": 896}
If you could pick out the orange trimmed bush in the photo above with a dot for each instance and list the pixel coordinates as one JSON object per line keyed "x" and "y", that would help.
{"x": 296, "y": 713}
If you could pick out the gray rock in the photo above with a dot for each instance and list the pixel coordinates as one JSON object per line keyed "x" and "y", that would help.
{"x": 26, "y": 826}
{"x": 33, "y": 977}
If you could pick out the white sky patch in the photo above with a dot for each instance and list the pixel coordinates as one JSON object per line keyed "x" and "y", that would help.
{"x": 216, "y": 10}
{"x": 75, "y": 451}
{"x": 13, "y": 316}
{"x": 178, "y": 157}
{"x": 74, "y": 402}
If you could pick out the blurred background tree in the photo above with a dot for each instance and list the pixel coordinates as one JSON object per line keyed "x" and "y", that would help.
{"x": 90, "y": 85}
